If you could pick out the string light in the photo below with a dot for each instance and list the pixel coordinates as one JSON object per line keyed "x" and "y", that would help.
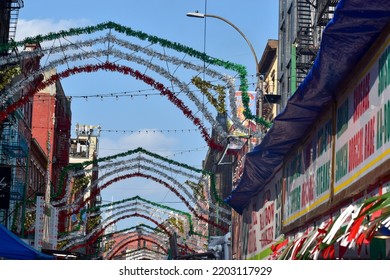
{"x": 239, "y": 69}
{"x": 139, "y": 131}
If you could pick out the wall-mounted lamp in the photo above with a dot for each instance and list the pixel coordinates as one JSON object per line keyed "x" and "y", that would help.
{"x": 233, "y": 143}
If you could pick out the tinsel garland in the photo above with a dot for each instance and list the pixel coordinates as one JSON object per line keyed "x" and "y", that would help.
{"x": 144, "y": 227}
{"x": 67, "y": 171}
{"x": 126, "y": 71}
{"x": 130, "y": 57}
{"x": 90, "y": 239}
{"x": 71, "y": 237}
{"x": 161, "y": 71}
{"x": 98, "y": 209}
{"x": 7, "y": 75}
{"x": 122, "y": 166}
{"x": 163, "y": 183}
{"x": 198, "y": 189}
{"x": 92, "y": 223}
{"x": 32, "y": 83}
{"x": 156, "y": 242}
{"x": 79, "y": 202}
{"x": 241, "y": 70}
{"x": 156, "y": 231}
{"x": 147, "y": 210}
{"x": 205, "y": 86}
{"x": 150, "y": 239}
{"x": 177, "y": 223}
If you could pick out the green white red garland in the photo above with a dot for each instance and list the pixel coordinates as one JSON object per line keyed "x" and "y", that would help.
{"x": 154, "y": 40}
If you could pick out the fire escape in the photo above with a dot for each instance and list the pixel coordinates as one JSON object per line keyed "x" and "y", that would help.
{"x": 306, "y": 51}
{"x": 312, "y": 17}
{"x": 13, "y": 141}
{"x": 325, "y": 10}
{"x": 11, "y": 9}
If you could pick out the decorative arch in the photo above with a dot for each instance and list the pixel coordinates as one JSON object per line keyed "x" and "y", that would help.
{"x": 91, "y": 238}
{"x": 119, "y": 164}
{"x": 128, "y": 32}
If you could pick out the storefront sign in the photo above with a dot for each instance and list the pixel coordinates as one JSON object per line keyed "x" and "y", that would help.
{"x": 46, "y": 225}
{"x": 39, "y": 222}
{"x": 308, "y": 174}
{"x": 363, "y": 124}
{"x": 264, "y": 219}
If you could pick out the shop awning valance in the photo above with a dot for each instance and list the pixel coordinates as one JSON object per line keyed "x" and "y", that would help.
{"x": 13, "y": 248}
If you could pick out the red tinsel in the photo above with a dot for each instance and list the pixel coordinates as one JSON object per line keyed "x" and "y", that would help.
{"x": 146, "y": 176}
{"x": 93, "y": 238}
{"x": 114, "y": 68}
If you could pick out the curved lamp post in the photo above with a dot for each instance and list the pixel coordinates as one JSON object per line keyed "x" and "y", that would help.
{"x": 259, "y": 88}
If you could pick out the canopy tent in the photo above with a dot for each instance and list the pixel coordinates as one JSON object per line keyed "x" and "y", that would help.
{"x": 13, "y": 248}
{"x": 355, "y": 26}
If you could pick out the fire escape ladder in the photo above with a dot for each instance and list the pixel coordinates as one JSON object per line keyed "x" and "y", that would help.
{"x": 325, "y": 11}
{"x": 305, "y": 49}
{"x": 14, "y": 6}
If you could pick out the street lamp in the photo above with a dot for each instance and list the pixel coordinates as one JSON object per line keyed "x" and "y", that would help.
{"x": 259, "y": 88}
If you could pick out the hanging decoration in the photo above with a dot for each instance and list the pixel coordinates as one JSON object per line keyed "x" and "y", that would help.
{"x": 150, "y": 177}
{"x": 121, "y": 69}
{"x": 198, "y": 189}
{"x": 177, "y": 223}
{"x": 89, "y": 239}
{"x": 154, "y": 40}
{"x": 7, "y": 74}
{"x": 89, "y": 236}
{"x": 144, "y": 227}
{"x": 80, "y": 201}
{"x": 69, "y": 172}
{"x": 100, "y": 209}
{"x": 205, "y": 86}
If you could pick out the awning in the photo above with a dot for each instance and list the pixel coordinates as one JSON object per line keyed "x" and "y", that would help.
{"x": 13, "y": 248}
{"x": 355, "y": 26}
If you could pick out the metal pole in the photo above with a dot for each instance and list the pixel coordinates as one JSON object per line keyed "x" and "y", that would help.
{"x": 259, "y": 88}
{"x": 243, "y": 35}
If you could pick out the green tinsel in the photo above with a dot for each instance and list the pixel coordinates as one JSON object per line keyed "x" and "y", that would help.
{"x": 240, "y": 69}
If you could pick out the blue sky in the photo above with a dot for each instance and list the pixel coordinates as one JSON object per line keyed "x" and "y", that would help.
{"x": 126, "y": 120}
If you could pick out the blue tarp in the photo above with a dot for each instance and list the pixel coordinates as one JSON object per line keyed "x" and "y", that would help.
{"x": 13, "y": 248}
{"x": 356, "y": 24}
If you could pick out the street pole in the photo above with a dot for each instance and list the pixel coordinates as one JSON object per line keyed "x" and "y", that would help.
{"x": 259, "y": 84}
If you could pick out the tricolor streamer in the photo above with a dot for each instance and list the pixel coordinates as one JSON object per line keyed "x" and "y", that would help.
{"x": 154, "y": 40}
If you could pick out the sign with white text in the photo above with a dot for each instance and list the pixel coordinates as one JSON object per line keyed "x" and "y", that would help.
{"x": 263, "y": 216}
{"x": 308, "y": 173}
{"x": 363, "y": 124}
